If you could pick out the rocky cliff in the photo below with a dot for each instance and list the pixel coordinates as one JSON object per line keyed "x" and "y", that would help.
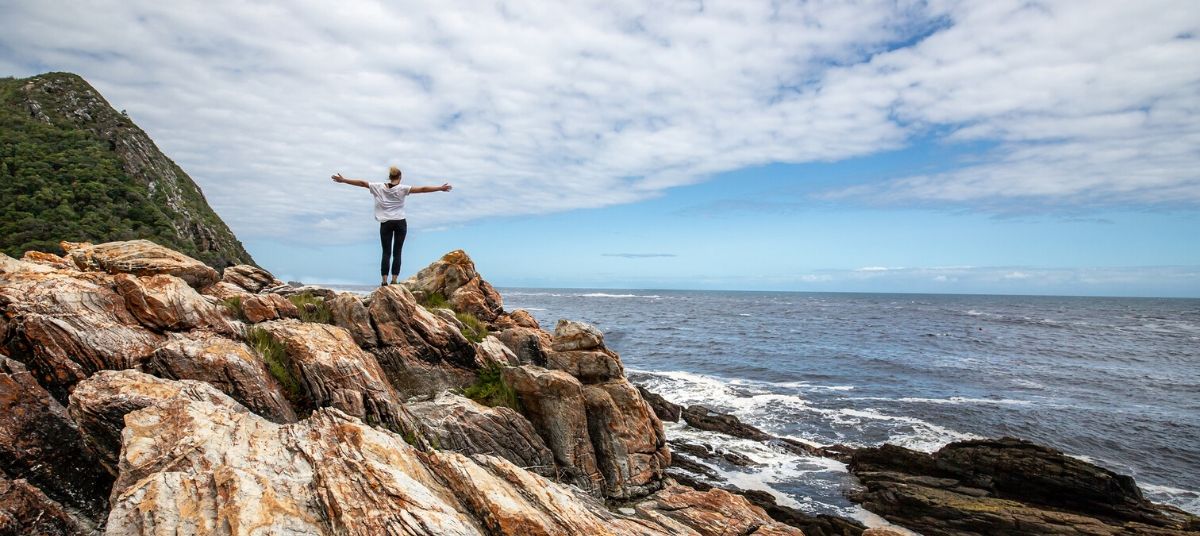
{"x": 73, "y": 167}
{"x": 144, "y": 392}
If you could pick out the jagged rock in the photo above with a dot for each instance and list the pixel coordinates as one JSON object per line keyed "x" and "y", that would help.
{"x": 24, "y": 509}
{"x": 553, "y": 401}
{"x": 711, "y": 512}
{"x": 65, "y": 328}
{"x": 663, "y": 408}
{"x": 523, "y": 319}
{"x": 226, "y": 364}
{"x": 223, "y": 291}
{"x": 39, "y": 443}
{"x": 99, "y": 405}
{"x": 165, "y": 302}
{"x": 457, "y": 423}
{"x": 589, "y": 366}
{"x": 416, "y": 333}
{"x": 312, "y": 290}
{"x": 415, "y": 378}
{"x": 493, "y": 352}
{"x": 48, "y": 259}
{"x": 571, "y": 335}
{"x": 629, "y": 442}
{"x": 347, "y": 311}
{"x": 333, "y": 371}
{"x": 263, "y": 307}
{"x": 531, "y": 345}
{"x": 1006, "y": 486}
{"x": 454, "y": 277}
{"x": 882, "y": 531}
{"x": 140, "y": 257}
{"x": 249, "y": 278}
{"x": 704, "y": 418}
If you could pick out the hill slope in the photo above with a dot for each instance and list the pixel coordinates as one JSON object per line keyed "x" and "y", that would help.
{"x": 73, "y": 168}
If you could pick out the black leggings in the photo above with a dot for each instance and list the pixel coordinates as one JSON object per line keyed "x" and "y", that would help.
{"x": 391, "y": 237}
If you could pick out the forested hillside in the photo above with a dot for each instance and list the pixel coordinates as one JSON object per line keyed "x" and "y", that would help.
{"x": 73, "y": 168}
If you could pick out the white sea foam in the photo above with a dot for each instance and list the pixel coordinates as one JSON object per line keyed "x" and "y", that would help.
{"x": 954, "y": 400}
{"x": 606, "y": 295}
{"x": 1183, "y": 498}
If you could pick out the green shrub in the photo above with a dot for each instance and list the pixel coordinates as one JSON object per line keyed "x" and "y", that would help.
{"x": 473, "y": 329}
{"x": 274, "y": 355}
{"x": 490, "y": 390}
{"x": 312, "y": 308}
{"x": 435, "y": 300}
{"x": 234, "y": 305}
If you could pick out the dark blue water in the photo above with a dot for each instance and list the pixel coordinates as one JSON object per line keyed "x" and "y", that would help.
{"x": 1115, "y": 381}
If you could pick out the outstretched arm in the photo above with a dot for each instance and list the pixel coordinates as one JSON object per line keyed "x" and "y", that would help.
{"x": 351, "y": 182}
{"x": 426, "y": 189}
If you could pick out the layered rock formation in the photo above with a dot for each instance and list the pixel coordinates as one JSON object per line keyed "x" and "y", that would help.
{"x": 1006, "y": 486}
{"x": 145, "y": 395}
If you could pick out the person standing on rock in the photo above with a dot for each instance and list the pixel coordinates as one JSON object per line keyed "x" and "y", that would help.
{"x": 389, "y": 211}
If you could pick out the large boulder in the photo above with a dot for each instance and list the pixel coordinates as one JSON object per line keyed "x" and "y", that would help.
{"x": 589, "y": 366}
{"x": 553, "y": 401}
{"x": 99, "y": 405}
{"x": 166, "y": 303}
{"x": 347, "y": 311}
{"x": 67, "y": 325}
{"x": 453, "y": 422}
{"x": 403, "y": 324}
{"x": 572, "y": 335}
{"x": 1005, "y": 487}
{"x": 704, "y": 418}
{"x": 532, "y": 346}
{"x": 226, "y": 364}
{"x": 454, "y": 277}
{"x": 333, "y": 371}
{"x": 252, "y": 279}
{"x": 39, "y": 443}
{"x": 711, "y": 512}
{"x": 140, "y": 257}
{"x": 492, "y": 352}
{"x": 630, "y": 445}
{"x": 263, "y": 307}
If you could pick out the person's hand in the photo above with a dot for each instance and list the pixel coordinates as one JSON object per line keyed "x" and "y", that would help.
{"x": 338, "y": 178}
{"x": 446, "y": 187}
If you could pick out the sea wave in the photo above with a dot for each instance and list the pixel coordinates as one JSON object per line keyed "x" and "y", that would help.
{"x": 606, "y": 295}
{"x": 1185, "y": 499}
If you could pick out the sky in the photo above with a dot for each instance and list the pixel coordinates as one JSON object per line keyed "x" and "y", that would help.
{"x": 1016, "y": 147}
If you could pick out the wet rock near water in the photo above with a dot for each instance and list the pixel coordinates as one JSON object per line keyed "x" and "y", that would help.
{"x": 703, "y": 418}
{"x": 1006, "y": 486}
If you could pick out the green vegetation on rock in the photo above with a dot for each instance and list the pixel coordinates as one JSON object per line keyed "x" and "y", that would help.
{"x": 473, "y": 329}
{"x": 312, "y": 308}
{"x": 72, "y": 168}
{"x": 274, "y": 355}
{"x": 435, "y": 300}
{"x": 490, "y": 390}
{"x": 234, "y": 305}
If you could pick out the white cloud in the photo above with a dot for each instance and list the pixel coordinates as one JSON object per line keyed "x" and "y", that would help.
{"x": 540, "y": 107}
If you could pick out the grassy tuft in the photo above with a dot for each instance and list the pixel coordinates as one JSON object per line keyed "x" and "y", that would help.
{"x": 490, "y": 389}
{"x": 435, "y": 300}
{"x": 274, "y": 355}
{"x": 473, "y": 329}
{"x": 234, "y": 305}
{"x": 312, "y": 308}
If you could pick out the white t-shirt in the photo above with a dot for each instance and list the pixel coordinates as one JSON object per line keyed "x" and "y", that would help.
{"x": 389, "y": 202}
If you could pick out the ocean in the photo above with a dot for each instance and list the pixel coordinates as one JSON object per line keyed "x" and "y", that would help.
{"x": 1114, "y": 381}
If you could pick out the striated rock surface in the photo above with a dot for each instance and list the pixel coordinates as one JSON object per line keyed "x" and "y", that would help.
{"x": 140, "y": 257}
{"x": 571, "y": 335}
{"x": 454, "y": 277}
{"x": 99, "y": 405}
{"x": 530, "y": 345}
{"x": 263, "y": 307}
{"x": 167, "y": 303}
{"x": 1006, "y": 486}
{"x": 196, "y": 467}
{"x": 453, "y": 422}
{"x": 589, "y": 366}
{"x": 65, "y": 325}
{"x": 629, "y": 442}
{"x": 226, "y": 364}
{"x": 493, "y": 352}
{"x": 348, "y": 312}
{"x": 553, "y": 401}
{"x": 40, "y": 443}
{"x": 252, "y": 279}
{"x": 401, "y": 323}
